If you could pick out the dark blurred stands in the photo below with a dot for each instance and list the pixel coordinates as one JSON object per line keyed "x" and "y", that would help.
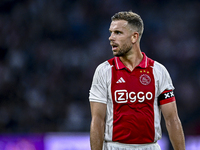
{"x": 49, "y": 50}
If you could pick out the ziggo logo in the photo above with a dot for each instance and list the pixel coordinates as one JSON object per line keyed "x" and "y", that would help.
{"x": 122, "y": 96}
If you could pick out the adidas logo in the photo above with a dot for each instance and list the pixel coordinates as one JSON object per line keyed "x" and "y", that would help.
{"x": 121, "y": 80}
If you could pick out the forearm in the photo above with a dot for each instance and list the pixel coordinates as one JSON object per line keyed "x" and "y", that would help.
{"x": 176, "y": 134}
{"x": 96, "y": 135}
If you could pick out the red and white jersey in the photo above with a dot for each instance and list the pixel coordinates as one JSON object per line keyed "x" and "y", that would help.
{"x": 133, "y": 97}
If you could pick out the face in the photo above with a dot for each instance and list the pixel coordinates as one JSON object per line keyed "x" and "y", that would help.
{"x": 120, "y": 38}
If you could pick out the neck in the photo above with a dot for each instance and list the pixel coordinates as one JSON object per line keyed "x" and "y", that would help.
{"x": 132, "y": 60}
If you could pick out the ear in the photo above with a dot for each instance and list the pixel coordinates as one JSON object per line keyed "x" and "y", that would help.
{"x": 135, "y": 37}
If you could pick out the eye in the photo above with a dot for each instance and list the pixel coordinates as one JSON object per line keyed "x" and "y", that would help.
{"x": 117, "y": 32}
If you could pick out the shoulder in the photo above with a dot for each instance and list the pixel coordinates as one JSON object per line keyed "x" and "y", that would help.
{"x": 159, "y": 67}
{"x": 104, "y": 67}
{"x": 160, "y": 71}
{"x": 162, "y": 74}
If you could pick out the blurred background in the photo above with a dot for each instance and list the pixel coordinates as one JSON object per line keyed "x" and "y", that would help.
{"x": 49, "y": 50}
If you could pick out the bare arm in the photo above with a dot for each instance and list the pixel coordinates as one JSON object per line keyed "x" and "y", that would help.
{"x": 173, "y": 125}
{"x": 98, "y": 111}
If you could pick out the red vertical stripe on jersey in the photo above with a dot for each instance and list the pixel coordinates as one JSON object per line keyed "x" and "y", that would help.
{"x": 133, "y": 103}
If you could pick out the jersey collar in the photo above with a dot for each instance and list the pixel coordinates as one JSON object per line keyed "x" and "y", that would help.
{"x": 120, "y": 65}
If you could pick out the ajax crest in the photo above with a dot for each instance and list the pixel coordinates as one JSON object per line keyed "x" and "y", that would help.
{"x": 145, "y": 79}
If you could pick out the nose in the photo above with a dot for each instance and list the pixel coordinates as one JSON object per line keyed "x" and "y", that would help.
{"x": 111, "y": 38}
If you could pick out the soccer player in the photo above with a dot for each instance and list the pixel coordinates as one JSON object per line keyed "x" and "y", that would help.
{"x": 129, "y": 92}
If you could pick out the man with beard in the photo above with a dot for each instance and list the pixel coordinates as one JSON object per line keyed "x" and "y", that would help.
{"x": 129, "y": 92}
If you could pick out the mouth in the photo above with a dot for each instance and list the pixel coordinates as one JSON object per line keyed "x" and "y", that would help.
{"x": 114, "y": 46}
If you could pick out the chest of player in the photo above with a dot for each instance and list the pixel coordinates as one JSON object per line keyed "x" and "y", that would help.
{"x": 134, "y": 87}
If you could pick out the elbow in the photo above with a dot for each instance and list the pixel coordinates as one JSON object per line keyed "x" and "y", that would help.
{"x": 97, "y": 122}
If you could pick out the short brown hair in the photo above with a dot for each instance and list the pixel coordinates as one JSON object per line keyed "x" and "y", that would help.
{"x": 132, "y": 18}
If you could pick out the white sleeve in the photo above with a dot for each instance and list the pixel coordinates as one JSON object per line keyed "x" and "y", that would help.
{"x": 165, "y": 81}
{"x": 99, "y": 89}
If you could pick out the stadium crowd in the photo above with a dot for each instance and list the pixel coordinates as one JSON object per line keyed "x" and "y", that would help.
{"x": 49, "y": 50}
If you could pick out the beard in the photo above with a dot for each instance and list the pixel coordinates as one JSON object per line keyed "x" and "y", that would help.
{"x": 123, "y": 50}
